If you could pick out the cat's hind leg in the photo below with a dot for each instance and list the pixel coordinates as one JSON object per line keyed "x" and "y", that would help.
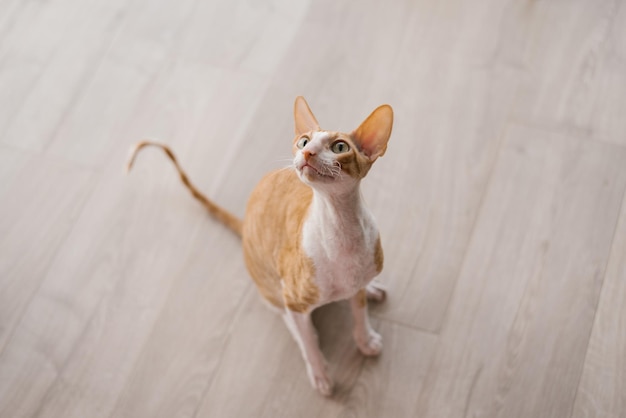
{"x": 370, "y": 342}
{"x": 303, "y": 331}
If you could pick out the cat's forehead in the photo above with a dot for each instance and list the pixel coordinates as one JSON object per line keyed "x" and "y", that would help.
{"x": 327, "y": 136}
{"x": 320, "y": 136}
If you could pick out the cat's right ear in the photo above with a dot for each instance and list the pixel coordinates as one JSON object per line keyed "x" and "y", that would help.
{"x": 373, "y": 134}
{"x": 305, "y": 121}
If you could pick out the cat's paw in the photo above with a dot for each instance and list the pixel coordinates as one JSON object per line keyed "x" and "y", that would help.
{"x": 320, "y": 381}
{"x": 370, "y": 344}
{"x": 324, "y": 385}
{"x": 376, "y": 292}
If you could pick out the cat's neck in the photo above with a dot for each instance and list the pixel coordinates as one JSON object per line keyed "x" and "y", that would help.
{"x": 339, "y": 208}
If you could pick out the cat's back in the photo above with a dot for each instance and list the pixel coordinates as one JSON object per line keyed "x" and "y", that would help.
{"x": 272, "y": 228}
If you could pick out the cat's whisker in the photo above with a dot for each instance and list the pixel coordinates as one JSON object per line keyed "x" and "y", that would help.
{"x": 333, "y": 169}
{"x": 327, "y": 170}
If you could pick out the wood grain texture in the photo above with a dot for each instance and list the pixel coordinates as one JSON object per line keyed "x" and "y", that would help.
{"x": 498, "y": 203}
{"x": 585, "y": 92}
{"x": 384, "y": 386}
{"x": 44, "y": 72}
{"x": 372, "y": 386}
{"x": 145, "y": 48}
{"x": 31, "y": 232}
{"x": 92, "y": 262}
{"x": 273, "y": 358}
{"x": 517, "y": 331}
{"x": 602, "y": 390}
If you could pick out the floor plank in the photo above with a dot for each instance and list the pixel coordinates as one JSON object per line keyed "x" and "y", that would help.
{"x": 159, "y": 48}
{"x": 155, "y": 293}
{"x": 41, "y": 76}
{"x": 11, "y": 16}
{"x": 364, "y": 387}
{"x": 516, "y": 336}
{"x": 602, "y": 391}
{"x": 143, "y": 48}
{"x": 170, "y": 350}
{"x": 31, "y": 232}
{"x": 584, "y": 93}
{"x": 104, "y": 256}
{"x": 498, "y": 202}
{"x": 273, "y": 381}
{"x": 384, "y": 386}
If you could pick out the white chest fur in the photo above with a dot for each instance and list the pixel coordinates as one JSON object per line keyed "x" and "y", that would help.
{"x": 340, "y": 236}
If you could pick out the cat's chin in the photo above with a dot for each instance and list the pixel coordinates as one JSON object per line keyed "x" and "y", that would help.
{"x": 308, "y": 173}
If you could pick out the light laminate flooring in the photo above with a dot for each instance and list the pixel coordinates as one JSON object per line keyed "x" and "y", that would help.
{"x": 501, "y": 204}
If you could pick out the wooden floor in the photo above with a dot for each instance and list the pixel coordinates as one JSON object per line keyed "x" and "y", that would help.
{"x": 501, "y": 204}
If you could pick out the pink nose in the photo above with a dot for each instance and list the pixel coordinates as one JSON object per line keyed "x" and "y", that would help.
{"x": 307, "y": 154}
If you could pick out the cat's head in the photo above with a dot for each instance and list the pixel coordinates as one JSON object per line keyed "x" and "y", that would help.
{"x": 327, "y": 159}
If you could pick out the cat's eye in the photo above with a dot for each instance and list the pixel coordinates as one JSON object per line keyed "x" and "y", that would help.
{"x": 302, "y": 142}
{"x": 340, "y": 147}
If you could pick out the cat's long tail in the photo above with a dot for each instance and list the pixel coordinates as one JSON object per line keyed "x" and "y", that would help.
{"x": 221, "y": 214}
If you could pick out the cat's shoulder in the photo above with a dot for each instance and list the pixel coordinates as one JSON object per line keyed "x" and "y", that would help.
{"x": 285, "y": 183}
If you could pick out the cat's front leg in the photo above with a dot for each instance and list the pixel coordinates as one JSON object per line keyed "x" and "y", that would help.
{"x": 370, "y": 342}
{"x": 303, "y": 331}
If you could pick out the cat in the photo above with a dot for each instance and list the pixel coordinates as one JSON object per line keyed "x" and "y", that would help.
{"x": 307, "y": 237}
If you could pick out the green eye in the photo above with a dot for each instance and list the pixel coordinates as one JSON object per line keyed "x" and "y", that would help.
{"x": 302, "y": 142}
{"x": 340, "y": 147}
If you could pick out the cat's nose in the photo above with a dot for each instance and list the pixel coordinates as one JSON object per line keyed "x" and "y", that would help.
{"x": 307, "y": 154}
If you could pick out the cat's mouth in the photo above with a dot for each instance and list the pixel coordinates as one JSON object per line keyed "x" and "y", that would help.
{"x": 307, "y": 168}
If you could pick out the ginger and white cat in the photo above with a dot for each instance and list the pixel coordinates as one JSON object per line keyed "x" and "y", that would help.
{"x": 308, "y": 238}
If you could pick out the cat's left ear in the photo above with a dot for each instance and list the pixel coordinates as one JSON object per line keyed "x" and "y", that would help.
{"x": 373, "y": 134}
{"x": 305, "y": 121}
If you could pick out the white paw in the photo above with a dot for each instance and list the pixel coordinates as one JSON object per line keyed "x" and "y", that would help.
{"x": 320, "y": 381}
{"x": 370, "y": 344}
{"x": 324, "y": 385}
{"x": 375, "y": 292}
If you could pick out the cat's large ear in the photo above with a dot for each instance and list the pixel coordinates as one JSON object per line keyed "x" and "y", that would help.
{"x": 305, "y": 121}
{"x": 373, "y": 134}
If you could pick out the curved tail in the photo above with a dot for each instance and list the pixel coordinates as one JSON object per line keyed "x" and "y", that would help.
{"x": 222, "y": 215}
